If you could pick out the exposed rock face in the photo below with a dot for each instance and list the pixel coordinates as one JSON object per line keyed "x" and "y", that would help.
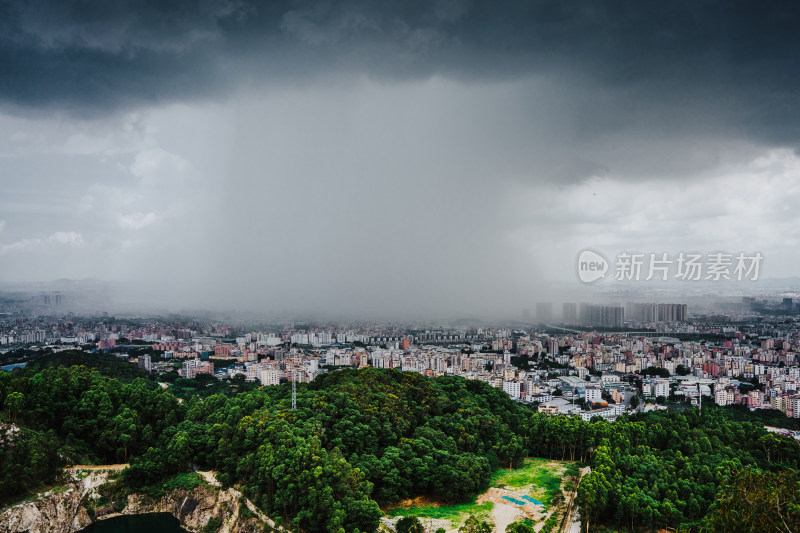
{"x": 196, "y": 507}
{"x": 63, "y": 512}
{"x": 56, "y": 513}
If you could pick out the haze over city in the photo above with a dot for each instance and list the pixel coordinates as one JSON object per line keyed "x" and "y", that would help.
{"x": 442, "y": 266}
{"x": 394, "y": 158}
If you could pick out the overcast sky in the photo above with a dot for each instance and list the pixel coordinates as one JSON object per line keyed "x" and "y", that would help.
{"x": 395, "y": 157}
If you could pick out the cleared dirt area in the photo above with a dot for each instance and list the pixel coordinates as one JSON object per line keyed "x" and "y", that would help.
{"x": 419, "y": 501}
{"x": 504, "y": 514}
{"x": 504, "y": 508}
{"x": 121, "y": 466}
{"x": 210, "y": 477}
{"x": 509, "y": 499}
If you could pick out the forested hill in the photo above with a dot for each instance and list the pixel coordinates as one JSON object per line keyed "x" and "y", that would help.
{"x": 363, "y": 438}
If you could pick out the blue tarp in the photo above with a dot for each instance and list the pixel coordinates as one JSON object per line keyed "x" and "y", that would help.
{"x": 513, "y": 500}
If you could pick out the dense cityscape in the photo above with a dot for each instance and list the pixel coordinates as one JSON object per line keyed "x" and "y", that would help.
{"x": 656, "y": 358}
{"x": 620, "y": 370}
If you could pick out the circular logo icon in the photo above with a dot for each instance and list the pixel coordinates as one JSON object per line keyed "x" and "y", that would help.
{"x": 592, "y": 266}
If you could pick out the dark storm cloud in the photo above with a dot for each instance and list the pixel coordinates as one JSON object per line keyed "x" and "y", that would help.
{"x": 406, "y": 155}
{"x": 735, "y": 61}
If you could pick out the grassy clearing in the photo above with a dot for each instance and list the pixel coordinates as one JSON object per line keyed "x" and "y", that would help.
{"x": 454, "y": 513}
{"x": 539, "y": 478}
{"x": 542, "y": 476}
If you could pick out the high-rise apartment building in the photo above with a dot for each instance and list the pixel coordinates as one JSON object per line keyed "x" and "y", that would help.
{"x": 569, "y": 313}
{"x": 544, "y": 312}
{"x": 602, "y": 315}
{"x": 652, "y": 312}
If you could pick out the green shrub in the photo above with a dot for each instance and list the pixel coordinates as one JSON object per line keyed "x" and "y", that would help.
{"x": 213, "y": 525}
{"x": 184, "y": 481}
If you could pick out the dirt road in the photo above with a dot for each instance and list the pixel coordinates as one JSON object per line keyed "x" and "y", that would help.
{"x": 122, "y": 466}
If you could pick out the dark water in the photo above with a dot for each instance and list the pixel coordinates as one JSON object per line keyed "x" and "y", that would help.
{"x": 144, "y": 523}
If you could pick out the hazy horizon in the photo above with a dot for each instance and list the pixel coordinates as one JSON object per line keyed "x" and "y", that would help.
{"x": 437, "y": 158}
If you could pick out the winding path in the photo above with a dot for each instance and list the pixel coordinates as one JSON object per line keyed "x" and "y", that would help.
{"x": 121, "y": 466}
{"x": 571, "y": 523}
